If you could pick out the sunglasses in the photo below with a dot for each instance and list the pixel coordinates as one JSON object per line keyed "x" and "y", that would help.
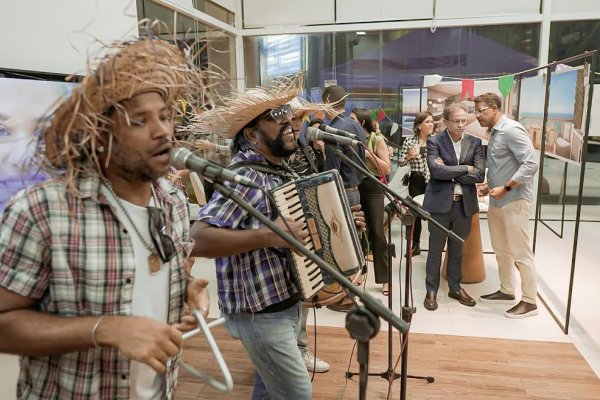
{"x": 280, "y": 114}
{"x": 158, "y": 230}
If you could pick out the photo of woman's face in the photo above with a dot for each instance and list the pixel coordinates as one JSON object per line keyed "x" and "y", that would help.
{"x": 23, "y": 104}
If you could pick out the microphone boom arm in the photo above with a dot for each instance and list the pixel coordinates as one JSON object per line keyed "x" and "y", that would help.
{"x": 368, "y": 300}
{"x": 406, "y": 201}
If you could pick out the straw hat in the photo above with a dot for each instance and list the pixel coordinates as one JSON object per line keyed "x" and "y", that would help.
{"x": 241, "y": 108}
{"x": 302, "y": 107}
{"x": 147, "y": 64}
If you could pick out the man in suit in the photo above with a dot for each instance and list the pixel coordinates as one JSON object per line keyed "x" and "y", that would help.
{"x": 456, "y": 164}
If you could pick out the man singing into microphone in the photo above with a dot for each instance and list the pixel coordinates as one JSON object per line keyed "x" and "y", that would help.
{"x": 92, "y": 282}
{"x": 257, "y": 294}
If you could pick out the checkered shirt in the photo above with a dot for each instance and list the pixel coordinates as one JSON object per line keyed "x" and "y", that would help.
{"x": 76, "y": 259}
{"x": 417, "y": 163}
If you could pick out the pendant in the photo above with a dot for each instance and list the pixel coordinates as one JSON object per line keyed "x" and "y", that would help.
{"x": 154, "y": 263}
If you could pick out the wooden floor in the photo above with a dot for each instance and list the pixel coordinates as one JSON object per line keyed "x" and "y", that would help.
{"x": 463, "y": 368}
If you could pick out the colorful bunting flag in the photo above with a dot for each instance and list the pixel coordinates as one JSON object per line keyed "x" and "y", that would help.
{"x": 381, "y": 116}
{"x": 468, "y": 87}
{"x": 505, "y": 84}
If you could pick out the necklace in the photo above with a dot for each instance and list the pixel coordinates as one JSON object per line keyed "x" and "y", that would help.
{"x": 154, "y": 262}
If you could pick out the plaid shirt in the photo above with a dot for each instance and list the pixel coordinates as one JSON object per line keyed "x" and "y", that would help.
{"x": 254, "y": 280}
{"x": 417, "y": 163}
{"x": 73, "y": 257}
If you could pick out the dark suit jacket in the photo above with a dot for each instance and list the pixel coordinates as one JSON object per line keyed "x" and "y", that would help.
{"x": 440, "y": 189}
{"x": 350, "y": 176}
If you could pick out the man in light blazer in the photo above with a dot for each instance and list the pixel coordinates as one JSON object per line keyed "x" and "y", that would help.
{"x": 456, "y": 164}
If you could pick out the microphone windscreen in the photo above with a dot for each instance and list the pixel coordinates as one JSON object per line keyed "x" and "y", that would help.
{"x": 178, "y": 157}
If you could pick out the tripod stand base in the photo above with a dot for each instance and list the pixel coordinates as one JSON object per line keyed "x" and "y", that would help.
{"x": 389, "y": 375}
{"x": 429, "y": 379}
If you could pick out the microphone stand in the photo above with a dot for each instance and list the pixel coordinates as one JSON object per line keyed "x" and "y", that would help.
{"x": 362, "y": 322}
{"x": 407, "y": 311}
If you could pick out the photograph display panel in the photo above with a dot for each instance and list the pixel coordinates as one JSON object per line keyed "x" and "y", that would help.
{"x": 24, "y": 107}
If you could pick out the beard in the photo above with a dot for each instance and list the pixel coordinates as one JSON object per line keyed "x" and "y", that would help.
{"x": 278, "y": 146}
{"x": 132, "y": 166}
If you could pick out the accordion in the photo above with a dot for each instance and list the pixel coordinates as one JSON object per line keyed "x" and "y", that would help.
{"x": 320, "y": 203}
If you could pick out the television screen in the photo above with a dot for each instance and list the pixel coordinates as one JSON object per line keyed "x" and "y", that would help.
{"x": 24, "y": 104}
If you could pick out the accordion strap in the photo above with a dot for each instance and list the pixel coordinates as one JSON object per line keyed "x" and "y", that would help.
{"x": 262, "y": 167}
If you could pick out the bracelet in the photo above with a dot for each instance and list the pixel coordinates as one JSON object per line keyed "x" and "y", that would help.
{"x": 94, "y": 328}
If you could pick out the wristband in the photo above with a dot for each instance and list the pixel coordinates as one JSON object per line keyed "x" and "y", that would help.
{"x": 94, "y": 328}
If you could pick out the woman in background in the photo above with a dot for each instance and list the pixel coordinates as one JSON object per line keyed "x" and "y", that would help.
{"x": 414, "y": 153}
{"x": 371, "y": 196}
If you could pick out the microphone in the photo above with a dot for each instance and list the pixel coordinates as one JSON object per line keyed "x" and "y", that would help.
{"x": 335, "y": 131}
{"x": 182, "y": 158}
{"x": 314, "y": 134}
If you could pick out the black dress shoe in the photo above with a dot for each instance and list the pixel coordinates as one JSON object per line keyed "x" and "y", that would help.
{"x": 430, "y": 301}
{"x": 462, "y": 297}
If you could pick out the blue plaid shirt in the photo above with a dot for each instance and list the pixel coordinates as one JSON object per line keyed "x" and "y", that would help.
{"x": 254, "y": 280}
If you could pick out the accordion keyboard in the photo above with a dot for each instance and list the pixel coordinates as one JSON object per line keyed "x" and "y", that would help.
{"x": 307, "y": 272}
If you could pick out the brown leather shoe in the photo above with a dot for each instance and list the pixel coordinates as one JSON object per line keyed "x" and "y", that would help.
{"x": 430, "y": 301}
{"x": 462, "y": 297}
{"x": 498, "y": 297}
{"x": 522, "y": 310}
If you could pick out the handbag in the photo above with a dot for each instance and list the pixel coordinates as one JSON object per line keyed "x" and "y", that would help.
{"x": 405, "y": 179}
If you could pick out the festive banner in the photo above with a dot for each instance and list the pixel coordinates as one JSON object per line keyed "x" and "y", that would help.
{"x": 505, "y": 84}
{"x": 468, "y": 87}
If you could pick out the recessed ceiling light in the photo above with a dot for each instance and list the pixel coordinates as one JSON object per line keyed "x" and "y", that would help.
{"x": 361, "y": 33}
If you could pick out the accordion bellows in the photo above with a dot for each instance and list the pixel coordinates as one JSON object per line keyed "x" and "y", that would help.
{"x": 320, "y": 202}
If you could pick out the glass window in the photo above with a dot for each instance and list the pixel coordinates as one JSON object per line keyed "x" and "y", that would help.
{"x": 281, "y": 55}
{"x": 215, "y": 10}
{"x": 211, "y": 49}
{"x": 377, "y": 66}
{"x": 570, "y": 38}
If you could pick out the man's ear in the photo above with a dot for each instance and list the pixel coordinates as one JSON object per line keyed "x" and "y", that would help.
{"x": 250, "y": 135}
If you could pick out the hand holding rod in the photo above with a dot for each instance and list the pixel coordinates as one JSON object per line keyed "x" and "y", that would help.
{"x": 375, "y": 306}
{"x": 407, "y": 201}
{"x": 205, "y": 327}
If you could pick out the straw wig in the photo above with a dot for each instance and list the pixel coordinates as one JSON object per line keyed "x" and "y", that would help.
{"x": 80, "y": 126}
{"x": 240, "y": 109}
